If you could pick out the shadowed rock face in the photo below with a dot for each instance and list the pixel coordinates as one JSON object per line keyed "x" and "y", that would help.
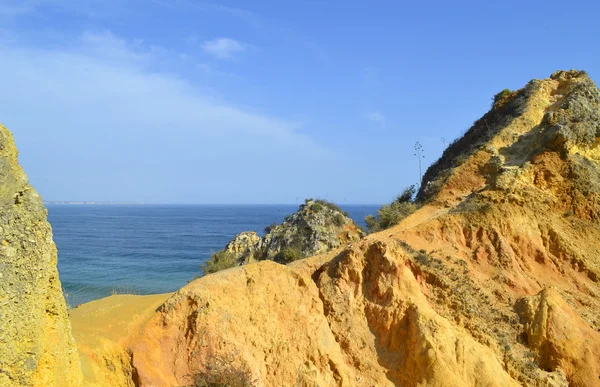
{"x": 36, "y": 346}
{"x": 494, "y": 281}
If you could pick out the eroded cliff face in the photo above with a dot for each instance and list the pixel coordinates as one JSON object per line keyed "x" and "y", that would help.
{"x": 36, "y": 346}
{"x": 494, "y": 281}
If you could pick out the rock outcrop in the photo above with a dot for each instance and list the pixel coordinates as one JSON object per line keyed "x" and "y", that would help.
{"x": 36, "y": 346}
{"x": 243, "y": 244}
{"x": 317, "y": 227}
{"x": 493, "y": 281}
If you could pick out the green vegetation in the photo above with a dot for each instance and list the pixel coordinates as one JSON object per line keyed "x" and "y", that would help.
{"x": 224, "y": 372}
{"x": 122, "y": 289}
{"x": 317, "y": 207}
{"x": 391, "y": 214}
{"x": 289, "y": 254}
{"x": 473, "y": 139}
{"x": 501, "y": 95}
{"x": 220, "y": 260}
{"x": 332, "y": 206}
{"x": 290, "y": 241}
{"x": 339, "y": 220}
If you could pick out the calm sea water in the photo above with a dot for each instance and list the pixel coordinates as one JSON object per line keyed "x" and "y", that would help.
{"x": 145, "y": 249}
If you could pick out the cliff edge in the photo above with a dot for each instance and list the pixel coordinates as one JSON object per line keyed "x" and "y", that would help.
{"x": 36, "y": 346}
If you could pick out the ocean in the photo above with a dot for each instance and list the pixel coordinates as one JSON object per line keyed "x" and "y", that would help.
{"x": 147, "y": 249}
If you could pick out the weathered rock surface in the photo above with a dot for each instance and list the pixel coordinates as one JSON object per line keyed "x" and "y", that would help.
{"x": 316, "y": 228}
{"x": 36, "y": 346}
{"x": 494, "y": 281}
{"x": 265, "y": 315}
{"x": 243, "y": 243}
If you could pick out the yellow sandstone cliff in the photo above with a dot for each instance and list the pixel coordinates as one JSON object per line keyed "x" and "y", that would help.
{"x": 36, "y": 346}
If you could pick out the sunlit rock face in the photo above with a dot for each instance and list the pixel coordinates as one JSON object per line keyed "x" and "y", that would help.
{"x": 36, "y": 346}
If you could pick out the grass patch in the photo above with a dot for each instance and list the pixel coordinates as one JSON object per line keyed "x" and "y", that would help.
{"x": 508, "y": 108}
{"x": 122, "y": 289}
{"x": 220, "y": 260}
{"x": 332, "y": 206}
{"x": 289, "y": 254}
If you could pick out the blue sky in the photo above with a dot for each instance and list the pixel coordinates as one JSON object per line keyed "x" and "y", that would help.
{"x": 184, "y": 101}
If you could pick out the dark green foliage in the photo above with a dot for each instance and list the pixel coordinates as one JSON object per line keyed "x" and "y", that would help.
{"x": 339, "y": 220}
{"x": 317, "y": 207}
{"x": 270, "y": 227}
{"x": 224, "y": 372}
{"x": 289, "y": 254}
{"x": 501, "y": 95}
{"x": 407, "y": 195}
{"x": 220, "y": 260}
{"x": 391, "y": 214}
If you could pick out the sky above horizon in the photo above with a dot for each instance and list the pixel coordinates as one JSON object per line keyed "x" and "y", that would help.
{"x": 184, "y": 101}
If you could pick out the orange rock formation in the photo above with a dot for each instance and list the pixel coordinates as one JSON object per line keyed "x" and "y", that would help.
{"x": 492, "y": 282}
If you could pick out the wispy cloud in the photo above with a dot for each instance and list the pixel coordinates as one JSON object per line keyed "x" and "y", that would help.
{"x": 223, "y": 48}
{"x": 377, "y": 117}
{"x": 101, "y": 95}
{"x": 108, "y": 84}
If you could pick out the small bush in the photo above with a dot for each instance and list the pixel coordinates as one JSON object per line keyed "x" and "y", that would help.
{"x": 289, "y": 254}
{"x": 390, "y": 215}
{"x": 339, "y": 220}
{"x": 317, "y": 207}
{"x": 220, "y": 260}
{"x": 224, "y": 372}
{"x": 407, "y": 195}
{"x": 501, "y": 95}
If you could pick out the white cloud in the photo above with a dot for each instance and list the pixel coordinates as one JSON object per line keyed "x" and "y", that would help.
{"x": 377, "y": 117}
{"x": 102, "y": 109}
{"x": 106, "y": 68}
{"x": 223, "y": 48}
